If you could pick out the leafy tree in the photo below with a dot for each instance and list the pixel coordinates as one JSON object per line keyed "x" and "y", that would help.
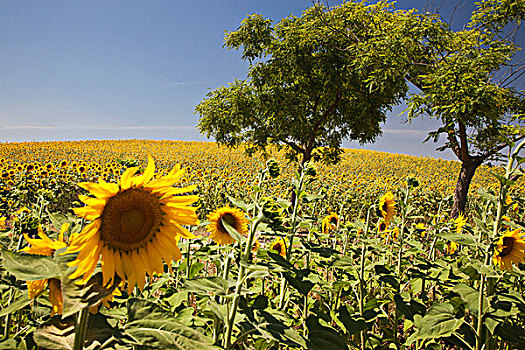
{"x": 302, "y": 91}
{"x": 464, "y": 77}
{"x": 468, "y": 86}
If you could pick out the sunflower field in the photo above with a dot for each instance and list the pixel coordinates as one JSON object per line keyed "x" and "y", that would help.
{"x": 135, "y": 244}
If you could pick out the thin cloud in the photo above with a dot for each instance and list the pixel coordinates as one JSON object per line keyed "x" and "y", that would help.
{"x": 184, "y": 83}
{"x": 406, "y": 133}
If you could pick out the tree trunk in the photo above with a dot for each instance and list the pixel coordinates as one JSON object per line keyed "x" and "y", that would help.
{"x": 468, "y": 169}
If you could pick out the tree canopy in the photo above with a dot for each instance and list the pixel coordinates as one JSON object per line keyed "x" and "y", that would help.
{"x": 305, "y": 87}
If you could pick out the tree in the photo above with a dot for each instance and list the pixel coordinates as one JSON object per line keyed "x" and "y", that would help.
{"x": 302, "y": 90}
{"x": 468, "y": 86}
{"x": 464, "y": 77}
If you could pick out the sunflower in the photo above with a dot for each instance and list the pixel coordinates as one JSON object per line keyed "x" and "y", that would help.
{"x": 233, "y": 217}
{"x": 420, "y": 229}
{"x": 510, "y": 249}
{"x": 330, "y": 222}
{"x": 279, "y": 245}
{"x": 381, "y": 226}
{"x": 451, "y": 247}
{"x": 387, "y": 206}
{"x": 134, "y": 226}
{"x": 460, "y": 222}
{"x": 46, "y": 246}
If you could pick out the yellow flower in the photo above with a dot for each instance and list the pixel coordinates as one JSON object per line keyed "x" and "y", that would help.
{"x": 233, "y": 217}
{"x": 387, "y": 206}
{"x": 330, "y": 222}
{"x": 510, "y": 249}
{"x": 460, "y": 222}
{"x": 451, "y": 247}
{"x": 136, "y": 224}
{"x": 46, "y": 246}
{"x": 2, "y": 223}
{"x": 381, "y": 226}
{"x": 421, "y": 229}
{"x": 390, "y": 234}
{"x": 279, "y": 245}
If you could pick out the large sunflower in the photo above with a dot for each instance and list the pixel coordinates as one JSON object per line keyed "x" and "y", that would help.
{"x": 134, "y": 226}
{"x": 387, "y": 206}
{"x": 46, "y": 246}
{"x": 233, "y": 217}
{"x": 510, "y": 249}
{"x": 330, "y": 222}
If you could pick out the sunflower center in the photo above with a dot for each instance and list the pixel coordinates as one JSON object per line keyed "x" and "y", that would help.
{"x": 278, "y": 248}
{"x": 508, "y": 244}
{"x": 229, "y": 219}
{"x": 333, "y": 221}
{"x": 130, "y": 219}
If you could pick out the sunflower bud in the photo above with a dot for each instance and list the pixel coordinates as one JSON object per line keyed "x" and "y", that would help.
{"x": 412, "y": 182}
{"x": 309, "y": 169}
{"x": 273, "y": 168}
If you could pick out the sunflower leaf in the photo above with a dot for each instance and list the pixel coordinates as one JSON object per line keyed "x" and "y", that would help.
{"x": 153, "y": 327}
{"x": 238, "y": 203}
{"x": 16, "y": 305}
{"x": 233, "y": 232}
{"x": 29, "y": 267}
{"x": 77, "y": 297}
{"x": 207, "y": 285}
{"x": 59, "y": 333}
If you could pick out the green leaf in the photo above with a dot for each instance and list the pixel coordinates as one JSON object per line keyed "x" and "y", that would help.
{"x": 8, "y": 344}
{"x": 323, "y": 338}
{"x": 59, "y": 333}
{"x": 207, "y": 285}
{"x": 352, "y": 323}
{"x": 280, "y": 260}
{"x": 409, "y": 308}
{"x": 16, "y": 305}
{"x": 471, "y": 298}
{"x": 461, "y": 238}
{"x": 150, "y": 326}
{"x": 232, "y": 231}
{"x": 195, "y": 268}
{"x": 77, "y": 297}
{"x": 302, "y": 285}
{"x": 438, "y": 322}
{"x": 29, "y": 267}
{"x": 487, "y": 195}
{"x": 512, "y": 333}
{"x": 238, "y": 203}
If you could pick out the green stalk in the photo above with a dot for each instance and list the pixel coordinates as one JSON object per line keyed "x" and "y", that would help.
{"x": 362, "y": 278}
{"x": 240, "y": 281}
{"x": 80, "y": 329}
{"x": 489, "y": 345}
{"x": 399, "y": 258}
{"x": 291, "y": 235}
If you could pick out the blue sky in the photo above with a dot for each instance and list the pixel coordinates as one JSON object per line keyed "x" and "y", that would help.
{"x": 112, "y": 69}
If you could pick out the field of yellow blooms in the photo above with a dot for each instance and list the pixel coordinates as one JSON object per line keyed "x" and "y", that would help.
{"x": 189, "y": 245}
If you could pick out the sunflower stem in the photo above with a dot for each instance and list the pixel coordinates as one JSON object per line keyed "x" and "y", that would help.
{"x": 80, "y": 329}
{"x": 240, "y": 279}
{"x": 291, "y": 235}
{"x": 400, "y": 258}
{"x": 362, "y": 278}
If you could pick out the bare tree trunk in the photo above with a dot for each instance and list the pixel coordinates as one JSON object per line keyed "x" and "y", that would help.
{"x": 468, "y": 169}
